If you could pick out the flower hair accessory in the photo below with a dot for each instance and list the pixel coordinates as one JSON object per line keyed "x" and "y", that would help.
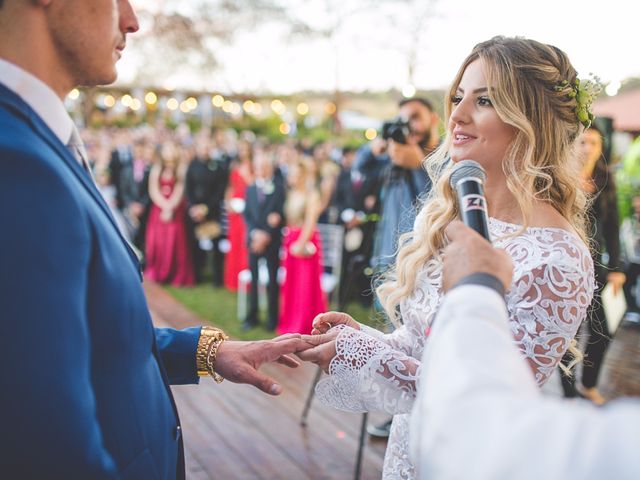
{"x": 585, "y": 91}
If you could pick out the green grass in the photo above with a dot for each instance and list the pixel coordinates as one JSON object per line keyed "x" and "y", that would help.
{"x": 219, "y": 307}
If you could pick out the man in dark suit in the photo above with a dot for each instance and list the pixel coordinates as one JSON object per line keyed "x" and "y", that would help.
{"x": 264, "y": 214}
{"x": 121, "y": 166}
{"x": 133, "y": 189}
{"x": 206, "y": 183}
{"x": 85, "y": 377}
{"x": 355, "y": 199}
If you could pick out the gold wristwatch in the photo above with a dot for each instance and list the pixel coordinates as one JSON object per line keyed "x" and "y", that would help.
{"x": 210, "y": 340}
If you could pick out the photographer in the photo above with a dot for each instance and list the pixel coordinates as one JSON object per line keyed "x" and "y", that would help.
{"x": 395, "y": 161}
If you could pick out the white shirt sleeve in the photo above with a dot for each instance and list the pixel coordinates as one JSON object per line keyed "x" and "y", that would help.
{"x": 479, "y": 413}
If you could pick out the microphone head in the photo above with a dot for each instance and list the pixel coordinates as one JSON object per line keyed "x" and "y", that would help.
{"x": 466, "y": 169}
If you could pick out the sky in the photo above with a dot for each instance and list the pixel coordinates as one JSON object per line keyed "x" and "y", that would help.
{"x": 369, "y": 51}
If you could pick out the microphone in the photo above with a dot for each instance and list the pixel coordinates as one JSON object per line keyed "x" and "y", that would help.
{"x": 467, "y": 179}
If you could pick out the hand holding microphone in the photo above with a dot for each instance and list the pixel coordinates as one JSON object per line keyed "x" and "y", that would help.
{"x": 469, "y": 250}
{"x": 467, "y": 180}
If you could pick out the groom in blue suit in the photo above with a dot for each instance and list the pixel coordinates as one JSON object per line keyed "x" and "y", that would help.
{"x": 84, "y": 375}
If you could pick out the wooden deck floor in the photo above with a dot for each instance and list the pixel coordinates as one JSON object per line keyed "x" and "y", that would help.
{"x": 237, "y": 432}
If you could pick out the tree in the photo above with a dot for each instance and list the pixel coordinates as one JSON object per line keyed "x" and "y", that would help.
{"x": 182, "y": 38}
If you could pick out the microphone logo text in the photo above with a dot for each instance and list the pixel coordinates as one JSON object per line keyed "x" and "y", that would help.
{"x": 473, "y": 202}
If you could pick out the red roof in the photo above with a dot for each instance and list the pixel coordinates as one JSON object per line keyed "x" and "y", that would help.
{"x": 623, "y": 108}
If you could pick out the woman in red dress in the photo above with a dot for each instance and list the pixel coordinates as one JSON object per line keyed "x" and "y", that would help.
{"x": 302, "y": 296}
{"x": 168, "y": 255}
{"x": 241, "y": 176}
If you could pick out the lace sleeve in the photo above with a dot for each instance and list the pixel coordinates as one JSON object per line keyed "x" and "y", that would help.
{"x": 368, "y": 374}
{"x": 402, "y": 338}
{"x": 548, "y": 301}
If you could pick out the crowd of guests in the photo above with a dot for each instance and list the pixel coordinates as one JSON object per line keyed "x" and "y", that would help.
{"x": 223, "y": 202}
{"x": 235, "y": 201}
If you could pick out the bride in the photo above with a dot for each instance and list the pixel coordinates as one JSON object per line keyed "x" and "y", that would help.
{"x": 515, "y": 108}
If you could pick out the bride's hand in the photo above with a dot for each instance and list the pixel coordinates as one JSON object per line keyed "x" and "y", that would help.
{"x": 323, "y": 322}
{"x": 322, "y": 349}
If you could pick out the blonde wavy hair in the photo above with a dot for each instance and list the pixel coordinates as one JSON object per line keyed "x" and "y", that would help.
{"x": 524, "y": 82}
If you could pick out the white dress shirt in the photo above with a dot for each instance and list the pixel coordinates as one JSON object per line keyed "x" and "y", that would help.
{"x": 479, "y": 414}
{"x": 39, "y": 96}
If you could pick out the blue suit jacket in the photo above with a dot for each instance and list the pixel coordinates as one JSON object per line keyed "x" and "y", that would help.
{"x": 83, "y": 375}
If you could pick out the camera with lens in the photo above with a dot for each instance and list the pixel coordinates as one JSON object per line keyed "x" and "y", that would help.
{"x": 397, "y": 130}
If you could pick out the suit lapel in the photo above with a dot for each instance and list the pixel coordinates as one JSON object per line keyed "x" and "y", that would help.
{"x": 18, "y": 106}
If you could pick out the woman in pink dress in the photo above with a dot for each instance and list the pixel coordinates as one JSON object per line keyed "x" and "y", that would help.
{"x": 168, "y": 256}
{"x": 302, "y": 297}
{"x": 241, "y": 176}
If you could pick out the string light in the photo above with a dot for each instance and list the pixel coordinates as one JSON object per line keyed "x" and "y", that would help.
{"x": 370, "y": 133}
{"x": 172, "y": 104}
{"x": 330, "y": 108}
{"x": 192, "y": 103}
{"x": 284, "y": 128}
{"x": 227, "y": 106}
{"x": 217, "y": 101}
{"x": 248, "y": 106}
{"x": 613, "y": 88}
{"x": 151, "y": 98}
{"x": 408, "y": 91}
{"x": 303, "y": 108}
{"x": 278, "y": 107}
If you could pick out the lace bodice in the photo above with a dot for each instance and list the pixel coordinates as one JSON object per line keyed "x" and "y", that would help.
{"x": 548, "y": 299}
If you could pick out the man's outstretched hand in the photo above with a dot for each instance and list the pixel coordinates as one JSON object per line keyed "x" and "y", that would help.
{"x": 239, "y": 361}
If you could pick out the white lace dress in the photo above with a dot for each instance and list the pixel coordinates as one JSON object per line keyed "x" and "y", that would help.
{"x": 552, "y": 289}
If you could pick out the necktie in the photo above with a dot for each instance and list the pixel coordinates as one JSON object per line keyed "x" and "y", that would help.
{"x": 356, "y": 182}
{"x": 76, "y": 147}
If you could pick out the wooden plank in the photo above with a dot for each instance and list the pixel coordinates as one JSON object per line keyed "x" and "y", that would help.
{"x": 323, "y": 449}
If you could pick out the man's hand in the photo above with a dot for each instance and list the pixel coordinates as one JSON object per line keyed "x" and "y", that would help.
{"x": 378, "y": 146}
{"x": 616, "y": 279}
{"x": 406, "y": 155}
{"x": 467, "y": 253}
{"x": 198, "y": 212}
{"x": 238, "y": 362}
{"x": 369, "y": 202}
{"x": 274, "y": 219}
{"x": 259, "y": 241}
{"x": 136, "y": 209}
